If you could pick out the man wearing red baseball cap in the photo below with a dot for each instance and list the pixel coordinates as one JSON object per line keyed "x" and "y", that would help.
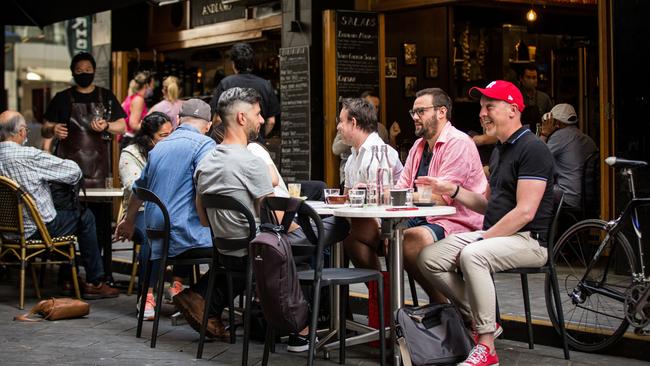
{"x": 518, "y": 209}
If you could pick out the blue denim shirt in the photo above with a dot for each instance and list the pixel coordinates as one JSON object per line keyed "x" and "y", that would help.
{"x": 168, "y": 174}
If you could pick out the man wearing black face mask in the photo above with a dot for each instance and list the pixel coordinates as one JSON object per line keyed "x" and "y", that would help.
{"x": 79, "y": 116}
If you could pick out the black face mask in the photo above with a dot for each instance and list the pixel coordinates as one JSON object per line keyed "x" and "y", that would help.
{"x": 83, "y": 79}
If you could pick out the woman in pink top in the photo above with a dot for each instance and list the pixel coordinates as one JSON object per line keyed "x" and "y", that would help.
{"x": 134, "y": 104}
{"x": 170, "y": 105}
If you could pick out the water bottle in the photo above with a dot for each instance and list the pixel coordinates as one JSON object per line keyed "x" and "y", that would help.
{"x": 371, "y": 177}
{"x": 384, "y": 177}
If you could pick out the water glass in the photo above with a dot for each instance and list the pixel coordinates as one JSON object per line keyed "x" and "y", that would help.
{"x": 294, "y": 189}
{"x": 357, "y": 197}
{"x": 372, "y": 194}
{"x": 109, "y": 182}
{"x": 330, "y": 192}
{"x": 409, "y": 197}
{"x": 425, "y": 192}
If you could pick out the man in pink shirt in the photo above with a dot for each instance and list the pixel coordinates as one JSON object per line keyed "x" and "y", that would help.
{"x": 444, "y": 152}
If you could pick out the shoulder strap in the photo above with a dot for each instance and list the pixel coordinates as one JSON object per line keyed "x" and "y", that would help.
{"x": 403, "y": 348}
{"x": 26, "y": 317}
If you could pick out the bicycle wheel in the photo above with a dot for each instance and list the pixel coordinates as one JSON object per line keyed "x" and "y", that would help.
{"x": 594, "y": 311}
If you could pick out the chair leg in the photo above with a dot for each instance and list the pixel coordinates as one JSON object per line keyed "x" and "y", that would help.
{"x": 559, "y": 311}
{"x": 268, "y": 340}
{"x": 382, "y": 321}
{"x": 529, "y": 321}
{"x": 247, "y": 310}
{"x": 160, "y": 287}
{"x": 313, "y": 326}
{"x": 208, "y": 303}
{"x": 231, "y": 309}
{"x": 414, "y": 292}
{"x": 73, "y": 270}
{"x": 142, "y": 295}
{"x": 23, "y": 263}
{"x": 134, "y": 268}
{"x": 35, "y": 281}
{"x": 345, "y": 293}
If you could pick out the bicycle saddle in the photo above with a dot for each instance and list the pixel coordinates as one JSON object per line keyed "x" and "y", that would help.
{"x": 613, "y": 161}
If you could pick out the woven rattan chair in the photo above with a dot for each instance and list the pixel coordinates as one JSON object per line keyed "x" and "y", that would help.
{"x": 13, "y": 202}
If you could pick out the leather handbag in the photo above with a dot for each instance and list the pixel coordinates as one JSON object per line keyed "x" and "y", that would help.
{"x": 56, "y": 309}
{"x": 433, "y": 334}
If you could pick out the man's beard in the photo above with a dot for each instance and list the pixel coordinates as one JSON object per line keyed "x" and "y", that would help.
{"x": 253, "y": 134}
{"x": 424, "y": 131}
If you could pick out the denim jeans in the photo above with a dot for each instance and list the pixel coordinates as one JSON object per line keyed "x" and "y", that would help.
{"x": 140, "y": 236}
{"x": 81, "y": 224}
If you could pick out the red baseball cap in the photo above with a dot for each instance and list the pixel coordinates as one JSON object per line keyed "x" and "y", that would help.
{"x": 501, "y": 90}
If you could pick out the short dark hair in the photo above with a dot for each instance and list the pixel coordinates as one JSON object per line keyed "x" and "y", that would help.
{"x": 440, "y": 98}
{"x": 231, "y": 97}
{"x": 243, "y": 56}
{"x": 369, "y": 93}
{"x": 143, "y": 139}
{"x": 363, "y": 111}
{"x": 531, "y": 66}
{"x": 82, "y": 56}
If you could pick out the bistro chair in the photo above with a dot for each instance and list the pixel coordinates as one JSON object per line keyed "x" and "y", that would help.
{"x": 226, "y": 203}
{"x": 14, "y": 202}
{"x": 320, "y": 277}
{"x": 164, "y": 235}
{"x": 549, "y": 269}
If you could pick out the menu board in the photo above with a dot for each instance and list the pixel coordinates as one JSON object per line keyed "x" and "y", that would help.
{"x": 357, "y": 53}
{"x": 295, "y": 163}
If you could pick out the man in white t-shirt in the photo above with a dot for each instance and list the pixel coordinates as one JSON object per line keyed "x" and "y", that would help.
{"x": 357, "y": 125}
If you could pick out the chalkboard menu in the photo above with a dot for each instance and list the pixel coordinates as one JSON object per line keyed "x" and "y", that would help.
{"x": 357, "y": 53}
{"x": 295, "y": 163}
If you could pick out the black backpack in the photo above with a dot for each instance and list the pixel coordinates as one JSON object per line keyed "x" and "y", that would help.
{"x": 276, "y": 278}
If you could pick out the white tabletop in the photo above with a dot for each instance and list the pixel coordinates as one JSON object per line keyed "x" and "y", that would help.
{"x": 386, "y": 212}
{"x": 102, "y": 192}
{"x": 321, "y": 208}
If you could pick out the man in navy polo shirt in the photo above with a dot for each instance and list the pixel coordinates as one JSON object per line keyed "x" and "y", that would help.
{"x": 518, "y": 208}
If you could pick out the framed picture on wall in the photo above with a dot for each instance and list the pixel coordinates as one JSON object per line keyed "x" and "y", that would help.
{"x": 391, "y": 67}
{"x": 431, "y": 67}
{"x": 410, "y": 54}
{"x": 410, "y": 86}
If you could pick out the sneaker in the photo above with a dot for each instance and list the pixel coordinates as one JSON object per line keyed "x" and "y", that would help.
{"x": 149, "y": 308}
{"x": 298, "y": 343}
{"x": 497, "y": 332}
{"x": 99, "y": 291}
{"x": 173, "y": 290}
{"x": 480, "y": 356}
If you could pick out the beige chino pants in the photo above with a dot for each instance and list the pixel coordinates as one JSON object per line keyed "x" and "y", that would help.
{"x": 473, "y": 291}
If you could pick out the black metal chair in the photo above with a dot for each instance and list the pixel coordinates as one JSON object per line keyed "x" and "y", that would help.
{"x": 322, "y": 277}
{"x": 164, "y": 234}
{"x": 223, "y": 202}
{"x": 549, "y": 269}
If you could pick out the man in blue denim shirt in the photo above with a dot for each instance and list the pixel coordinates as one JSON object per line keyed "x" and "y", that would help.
{"x": 168, "y": 174}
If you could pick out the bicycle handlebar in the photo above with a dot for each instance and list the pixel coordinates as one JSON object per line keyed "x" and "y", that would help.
{"x": 613, "y": 161}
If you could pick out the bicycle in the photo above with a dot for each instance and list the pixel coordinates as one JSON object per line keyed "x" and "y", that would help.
{"x": 602, "y": 279}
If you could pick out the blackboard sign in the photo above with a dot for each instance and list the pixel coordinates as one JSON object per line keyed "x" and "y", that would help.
{"x": 295, "y": 163}
{"x": 204, "y": 12}
{"x": 357, "y": 53}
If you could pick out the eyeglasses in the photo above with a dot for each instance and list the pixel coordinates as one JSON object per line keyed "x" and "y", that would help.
{"x": 420, "y": 111}
{"x": 26, "y": 129}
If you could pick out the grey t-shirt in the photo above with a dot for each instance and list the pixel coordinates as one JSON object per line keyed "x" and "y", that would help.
{"x": 234, "y": 171}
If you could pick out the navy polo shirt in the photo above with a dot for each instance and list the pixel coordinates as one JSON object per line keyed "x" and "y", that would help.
{"x": 522, "y": 156}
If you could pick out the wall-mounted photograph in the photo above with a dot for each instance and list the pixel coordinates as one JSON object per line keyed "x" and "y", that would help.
{"x": 410, "y": 54}
{"x": 410, "y": 86}
{"x": 391, "y": 67}
{"x": 431, "y": 67}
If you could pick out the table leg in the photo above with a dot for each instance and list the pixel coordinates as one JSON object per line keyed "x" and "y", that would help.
{"x": 397, "y": 283}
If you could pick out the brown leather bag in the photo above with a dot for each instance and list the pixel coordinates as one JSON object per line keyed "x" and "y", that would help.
{"x": 57, "y": 309}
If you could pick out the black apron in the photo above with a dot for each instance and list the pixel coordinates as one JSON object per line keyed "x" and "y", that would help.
{"x": 84, "y": 145}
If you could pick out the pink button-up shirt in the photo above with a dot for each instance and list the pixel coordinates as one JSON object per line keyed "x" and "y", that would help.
{"x": 455, "y": 159}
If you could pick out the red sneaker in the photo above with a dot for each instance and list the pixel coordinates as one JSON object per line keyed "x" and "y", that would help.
{"x": 480, "y": 356}
{"x": 497, "y": 332}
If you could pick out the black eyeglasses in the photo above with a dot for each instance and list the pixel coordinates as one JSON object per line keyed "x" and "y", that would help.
{"x": 420, "y": 111}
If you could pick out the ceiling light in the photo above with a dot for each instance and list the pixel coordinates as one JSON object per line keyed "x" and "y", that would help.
{"x": 33, "y": 76}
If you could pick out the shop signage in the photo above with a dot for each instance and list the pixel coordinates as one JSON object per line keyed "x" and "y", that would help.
{"x": 296, "y": 115}
{"x": 357, "y": 53}
{"x": 204, "y": 12}
{"x": 79, "y": 35}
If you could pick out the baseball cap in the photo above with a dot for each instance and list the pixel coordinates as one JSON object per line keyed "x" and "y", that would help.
{"x": 195, "y": 108}
{"x": 501, "y": 90}
{"x": 564, "y": 113}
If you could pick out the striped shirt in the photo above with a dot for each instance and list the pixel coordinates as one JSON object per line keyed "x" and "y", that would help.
{"x": 32, "y": 169}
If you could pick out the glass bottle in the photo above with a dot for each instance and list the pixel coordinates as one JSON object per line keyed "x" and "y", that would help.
{"x": 384, "y": 177}
{"x": 371, "y": 177}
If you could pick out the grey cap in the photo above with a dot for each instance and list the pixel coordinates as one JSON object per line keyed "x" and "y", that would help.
{"x": 195, "y": 108}
{"x": 564, "y": 113}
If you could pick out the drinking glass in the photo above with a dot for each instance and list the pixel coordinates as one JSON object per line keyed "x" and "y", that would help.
{"x": 371, "y": 192}
{"x": 357, "y": 197}
{"x": 424, "y": 191}
{"x": 294, "y": 189}
{"x": 329, "y": 192}
{"x": 409, "y": 197}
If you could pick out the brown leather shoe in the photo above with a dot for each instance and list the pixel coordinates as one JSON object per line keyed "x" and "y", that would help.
{"x": 191, "y": 305}
{"x": 99, "y": 291}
